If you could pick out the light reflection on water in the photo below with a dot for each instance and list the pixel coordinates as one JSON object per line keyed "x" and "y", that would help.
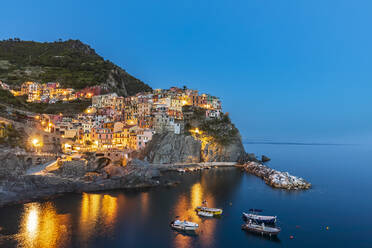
{"x": 81, "y": 220}
{"x": 141, "y": 218}
{"x": 41, "y": 226}
{"x": 186, "y": 211}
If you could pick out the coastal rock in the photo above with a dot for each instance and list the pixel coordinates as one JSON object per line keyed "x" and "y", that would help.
{"x": 114, "y": 171}
{"x": 265, "y": 159}
{"x": 247, "y": 157}
{"x": 213, "y": 152}
{"x": 75, "y": 176}
{"x": 172, "y": 148}
{"x": 181, "y": 148}
{"x": 11, "y": 164}
{"x": 276, "y": 179}
{"x": 93, "y": 176}
{"x": 30, "y": 187}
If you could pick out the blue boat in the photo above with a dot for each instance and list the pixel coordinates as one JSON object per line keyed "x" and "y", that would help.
{"x": 259, "y": 219}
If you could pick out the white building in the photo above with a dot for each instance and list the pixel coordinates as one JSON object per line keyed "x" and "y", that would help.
{"x": 102, "y": 101}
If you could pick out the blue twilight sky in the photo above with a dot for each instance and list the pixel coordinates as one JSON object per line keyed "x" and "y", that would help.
{"x": 286, "y": 70}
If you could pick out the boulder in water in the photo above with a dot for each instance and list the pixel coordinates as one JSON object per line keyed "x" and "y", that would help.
{"x": 265, "y": 159}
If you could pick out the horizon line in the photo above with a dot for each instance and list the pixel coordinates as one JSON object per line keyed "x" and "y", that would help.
{"x": 297, "y": 143}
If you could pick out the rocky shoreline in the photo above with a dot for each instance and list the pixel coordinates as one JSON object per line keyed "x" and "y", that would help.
{"x": 87, "y": 175}
{"x": 34, "y": 187}
{"x": 274, "y": 178}
{"x": 75, "y": 177}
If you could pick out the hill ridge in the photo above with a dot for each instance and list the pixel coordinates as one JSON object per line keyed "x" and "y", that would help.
{"x": 72, "y": 63}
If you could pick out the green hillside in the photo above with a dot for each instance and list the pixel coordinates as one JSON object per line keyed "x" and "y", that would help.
{"x": 72, "y": 63}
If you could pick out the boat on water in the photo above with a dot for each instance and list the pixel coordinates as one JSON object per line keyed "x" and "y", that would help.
{"x": 260, "y": 228}
{"x": 205, "y": 214}
{"x": 268, "y": 220}
{"x": 214, "y": 211}
{"x": 184, "y": 225}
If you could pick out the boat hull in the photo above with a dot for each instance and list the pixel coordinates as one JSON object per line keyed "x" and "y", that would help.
{"x": 184, "y": 225}
{"x": 183, "y": 228}
{"x": 262, "y": 231}
{"x": 204, "y": 214}
{"x": 214, "y": 211}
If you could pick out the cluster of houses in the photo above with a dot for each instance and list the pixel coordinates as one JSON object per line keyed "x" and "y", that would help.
{"x": 52, "y": 92}
{"x": 115, "y": 122}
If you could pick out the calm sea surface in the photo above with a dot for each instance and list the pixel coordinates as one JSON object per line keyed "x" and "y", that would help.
{"x": 341, "y": 199}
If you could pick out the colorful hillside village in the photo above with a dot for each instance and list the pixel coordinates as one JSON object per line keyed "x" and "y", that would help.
{"x": 52, "y": 92}
{"x": 114, "y": 122}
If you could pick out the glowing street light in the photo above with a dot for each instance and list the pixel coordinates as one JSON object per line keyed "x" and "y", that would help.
{"x": 35, "y": 142}
{"x": 196, "y": 130}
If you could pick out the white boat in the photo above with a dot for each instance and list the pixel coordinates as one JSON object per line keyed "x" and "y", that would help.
{"x": 184, "y": 225}
{"x": 205, "y": 214}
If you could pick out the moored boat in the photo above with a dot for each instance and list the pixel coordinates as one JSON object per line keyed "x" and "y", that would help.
{"x": 269, "y": 220}
{"x": 261, "y": 229}
{"x": 204, "y": 214}
{"x": 214, "y": 211}
{"x": 184, "y": 225}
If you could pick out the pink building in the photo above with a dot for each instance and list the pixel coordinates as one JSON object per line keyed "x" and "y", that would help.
{"x": 144, "y": 136}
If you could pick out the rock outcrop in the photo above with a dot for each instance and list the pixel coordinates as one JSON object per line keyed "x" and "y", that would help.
{"x": 181, "y": 148}
{"x": 172, "y": 148}
{"x": 276, "y": 179}
{"x": 265, "y": 158}
{"x": 11, "y": 164}
{"x": 214, "y": 152}
{"x": 75, "y": 176}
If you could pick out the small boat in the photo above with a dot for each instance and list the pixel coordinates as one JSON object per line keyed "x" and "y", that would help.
{"x": 205, "y": 214}
{"x": 214, "y": 211}
{"x": 261, "y": 229}
{"x": 268, "y": 220}
{"x": 184, "y": 225}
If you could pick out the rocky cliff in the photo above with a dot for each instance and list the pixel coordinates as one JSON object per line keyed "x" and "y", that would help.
{"x": 215, "y": 152}
{"x": 172, "y": 148}
{"x": 203, "y": 140}
{"x": 182, "y": 148}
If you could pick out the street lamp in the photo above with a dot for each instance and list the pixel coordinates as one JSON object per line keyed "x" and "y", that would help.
{"x": 36, "y": 143}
